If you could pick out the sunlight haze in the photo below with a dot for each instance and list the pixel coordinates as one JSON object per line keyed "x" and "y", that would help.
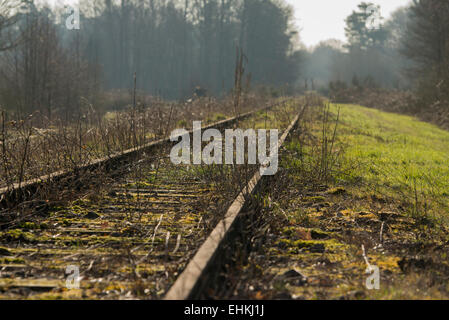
{"x": 320, "y": 20}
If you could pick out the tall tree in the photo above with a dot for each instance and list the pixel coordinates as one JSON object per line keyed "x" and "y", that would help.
{"x": 362, "y": 30}
{"x": 426, "y": 41}
{"x": 9, "y": 15}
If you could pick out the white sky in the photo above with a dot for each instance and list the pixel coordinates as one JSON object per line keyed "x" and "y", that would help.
{"x": 324, "y": 19}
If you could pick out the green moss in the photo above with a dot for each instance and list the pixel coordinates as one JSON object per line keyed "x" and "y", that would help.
{"x": 312, "y": 245}
{"x": 5, "y": 251}
{"x": 76, "y": 208}
{"x": 319, "y": 234}
{"x": 315, "y": 199}
{"x": 29, "y": 226}
{"x": 181, "y": 124}
{"x": 33, "y": 226}
{"x": 218, "y": 117}
{"x": 12, "y": 260}
{"x": 313, "y": 233}
{"x": 140, "y": 184}
{"x": 304, "y": 217}
{"x": 289, "y": 231}
{"x": 336, "y": 191}
{"x": 18, "y": 235}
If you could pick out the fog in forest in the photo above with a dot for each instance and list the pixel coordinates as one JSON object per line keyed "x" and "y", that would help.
{"x": 52, "y": 57}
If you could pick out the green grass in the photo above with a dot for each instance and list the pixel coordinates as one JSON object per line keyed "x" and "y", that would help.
{"x": 399, "y": 156}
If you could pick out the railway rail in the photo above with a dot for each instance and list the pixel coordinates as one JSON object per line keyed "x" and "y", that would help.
{"x": 146, "y": 235}
{"x": 23, "y": 191}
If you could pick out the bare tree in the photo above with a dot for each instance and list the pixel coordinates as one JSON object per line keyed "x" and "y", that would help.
{"x": 9, "y": 16}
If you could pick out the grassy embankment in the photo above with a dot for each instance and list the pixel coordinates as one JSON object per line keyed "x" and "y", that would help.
{"x": 401, "y": 157}
{"x": 380, "y": 181}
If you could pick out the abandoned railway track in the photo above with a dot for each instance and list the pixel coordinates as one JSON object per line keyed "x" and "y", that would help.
{"x": 153, "y": 230}
{"x": 27, "y": 190}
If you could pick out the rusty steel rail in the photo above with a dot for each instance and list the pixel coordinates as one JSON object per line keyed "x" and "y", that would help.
{"x": 194, "y": 278}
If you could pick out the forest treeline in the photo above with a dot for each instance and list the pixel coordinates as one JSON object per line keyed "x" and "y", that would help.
{"x": 172, "y": 46}
{"x": 407, "y": 52}
{"x": 175, "y": 46}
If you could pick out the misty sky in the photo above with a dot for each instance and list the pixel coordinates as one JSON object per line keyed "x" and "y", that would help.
{"x": 323, "y": 19}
